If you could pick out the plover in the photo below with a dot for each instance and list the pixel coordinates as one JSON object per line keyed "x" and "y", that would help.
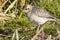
{"x": 37, "y": 14}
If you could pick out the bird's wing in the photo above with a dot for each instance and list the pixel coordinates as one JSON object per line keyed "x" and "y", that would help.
{"x": 41, "y": 12}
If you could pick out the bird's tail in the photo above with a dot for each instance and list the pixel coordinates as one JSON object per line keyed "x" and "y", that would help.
{"x": 57, "y": 21}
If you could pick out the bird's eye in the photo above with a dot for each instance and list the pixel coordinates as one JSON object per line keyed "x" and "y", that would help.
{"x": 26, "y": 9}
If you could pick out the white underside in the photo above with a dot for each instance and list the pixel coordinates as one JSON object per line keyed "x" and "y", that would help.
{"x": 40, "y": 20}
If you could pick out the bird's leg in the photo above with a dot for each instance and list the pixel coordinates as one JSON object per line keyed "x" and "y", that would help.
{"x": 42, "y": 31}
{"x": 38, "y": 28}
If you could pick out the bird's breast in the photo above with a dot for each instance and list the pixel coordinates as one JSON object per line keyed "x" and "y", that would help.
{"x": 37, "y": 19}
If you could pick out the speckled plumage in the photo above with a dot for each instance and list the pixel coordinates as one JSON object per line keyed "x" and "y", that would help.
{"x": 38, "y": 14}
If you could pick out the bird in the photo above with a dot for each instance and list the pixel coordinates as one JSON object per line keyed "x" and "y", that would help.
{"x": 37, "y": 14}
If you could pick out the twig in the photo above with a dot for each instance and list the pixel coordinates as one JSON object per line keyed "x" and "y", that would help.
{"x": 22, "y": 38}
{"x": 35, "y": 36}
{"x": 4, "y": 35}
{"x": 42, "y": 34}
{"x": 5, "y": 18}
{"x": 17, "y": 37}
{"x": 13, "y": 36}
{"x": 4, "y": 3}
{"x": 58, "y": 36}
{"x": 11, "y": 6}
{"x": 49, "y": 37}
{"x": 26, "y": 30}
{"x": 22, "y": 3}
{"x": 2, "y": 14}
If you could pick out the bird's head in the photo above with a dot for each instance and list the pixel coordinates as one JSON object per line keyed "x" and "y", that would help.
{"x": 27, "y": 8}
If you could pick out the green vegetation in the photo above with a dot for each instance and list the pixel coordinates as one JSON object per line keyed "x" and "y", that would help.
{"x": 22, "y": 22}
